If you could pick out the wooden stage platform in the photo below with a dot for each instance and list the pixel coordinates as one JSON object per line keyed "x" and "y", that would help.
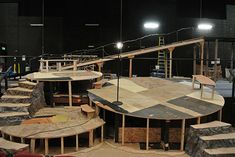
{"x": 64, "y": 76}
{"x": 156, "y": 98}
{"x": 54, "y": 123}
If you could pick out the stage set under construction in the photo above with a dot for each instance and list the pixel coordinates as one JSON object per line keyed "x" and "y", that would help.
{"x": 66, "y": 107}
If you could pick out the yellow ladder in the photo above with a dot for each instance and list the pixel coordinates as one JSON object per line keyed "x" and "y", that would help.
{"x": 162, "y": 59}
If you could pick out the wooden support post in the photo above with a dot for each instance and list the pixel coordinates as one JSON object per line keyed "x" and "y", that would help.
{"x": 216, "y": 57}
{"x": 102, "y": 133}
{"x": 70, "y": 93}
{"x": 166, "y": 65}
{"x": 62, "y": 145}
{"x": 77, "y": 143}
{"x": 59, "y": 68}
{"x": 90, "y": 102}
{"x": 201, "y": 91}
{"x": 11, "y": 138}
{"x": 123, "y": 129}
{"x": 147, "y": 135}
{"x": 32, "y": 145}
{"x": 199, "y": 120}
{"x": 22, "y": 140}
{"x": 202, "y": 57}
{"x": 170, "y": 72}
{"x": 74, "y": 65}
{"x": 47, "y": 66}
{"x": 220, "y": 114}
{"x": 100, "y": 65}
{"x": 91, "y": 143}
{"x": 194, "y": 60}
{"x": 130, "y": 65}
{"x": 41, "y": 65}
{"x": 46, "y": 146}
{"x": 182, "y": 135}
{"x": 207, "y": 58}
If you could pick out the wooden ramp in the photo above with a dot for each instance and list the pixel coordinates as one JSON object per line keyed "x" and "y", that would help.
{"x": 138, "y": 52}
{"x": 4, "y": 144}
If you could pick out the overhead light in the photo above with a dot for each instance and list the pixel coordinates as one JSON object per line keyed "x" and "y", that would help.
{"x": 151, "y": 25}
{"x": 3, "y": 48}
{"x": 91, "y": 46}
{"x": 36, "y": 24}
{"x": 92, "y": 24}
{"x": 204, "y": 26}
{"x": 119, "y": 45}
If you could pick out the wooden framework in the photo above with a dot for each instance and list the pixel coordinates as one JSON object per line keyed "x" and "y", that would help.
{"x": 204, "y": 81}
{"x": 55, "y": 131}
{"x": 131, "y": 54}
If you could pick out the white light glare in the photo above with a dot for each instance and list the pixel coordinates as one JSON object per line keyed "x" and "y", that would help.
{"x": 151, "y": 25}
{"x": 204, "y": 26}
{"x": 119, "y": 45}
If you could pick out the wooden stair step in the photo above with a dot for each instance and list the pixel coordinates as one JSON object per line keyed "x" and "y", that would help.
{"x": 15, "y": 96}
{"x": 221, "y": 151}
{"x": 9, "y": 145}
{"x": 13, "y": 114}
{"x": 15, "y": 99}
{"x": 210, "y": 125}
{"x": 19, "y": 91}
{"x": 218, "y": 137}
{"x": 14, "y": 105}
{"x": 27, "y": 84}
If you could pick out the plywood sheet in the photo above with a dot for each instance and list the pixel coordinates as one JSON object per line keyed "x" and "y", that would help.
{"x": 128, "y": 85}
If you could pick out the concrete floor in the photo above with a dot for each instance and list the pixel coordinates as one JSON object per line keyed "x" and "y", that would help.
{"x": 108, "y": 149}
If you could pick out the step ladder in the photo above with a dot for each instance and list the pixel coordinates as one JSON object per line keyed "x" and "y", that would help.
{"x": 162, "y": 61}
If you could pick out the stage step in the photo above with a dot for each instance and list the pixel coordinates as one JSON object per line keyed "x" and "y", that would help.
{"x": 12, "y": 118}
{"x": 16, "y": 107}
{"x": 15, "y": 99}
{"x": 27, "y": 84}
{"x": 19, "y": 91}
{"x": 219, "y": 152}
{"x": 207, "y": 129}
{"x": 9, "y": 145}
{"x": 214, "y": 141}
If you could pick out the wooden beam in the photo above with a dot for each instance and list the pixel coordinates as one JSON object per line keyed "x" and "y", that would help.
{"x": 170, "y": 50}
{"x": 70, "y": 93}
{"x": 77, "y": 143}
{"x": 32, "y": 145}
{"x": 62, "y": 145}
{"x": 147, "y": 135}
{"x": 182, "y": 135}
{"x": 130, "y": 65}
{"x": 216, "y": 57}
{"x": 194, "y": 60}
{"x": 11, "y": 138}
{"x": 207, "y": 58}
{"x": 74, "y": 65}
{"x": 123, "y": 128}
{"x": 22, "y": 140}
{"x": 199, "y": 120}
{"x": 47, "y": 66}
{"x": 100, "y": 65}
{"x": 91, "y": 143}
{"x": 46, "y": 146}
{"x": 102, "y": 133}
{"x": 140, "y": 52}
{"x": 220, "y": 114}
{"x": 202, "y": 56}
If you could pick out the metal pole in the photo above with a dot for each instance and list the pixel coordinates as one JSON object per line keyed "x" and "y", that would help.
{"x": 43, "y": 24}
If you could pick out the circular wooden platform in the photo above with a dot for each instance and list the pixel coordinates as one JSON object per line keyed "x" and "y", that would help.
{"x": 65, "y": 123}
{"x": 156, "y": 98}
{"x": 64, "y": 76}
